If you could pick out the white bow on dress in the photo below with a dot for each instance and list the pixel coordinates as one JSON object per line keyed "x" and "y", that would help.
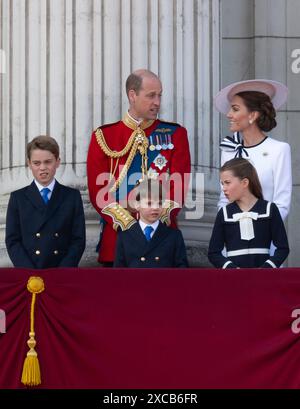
{"x": 246, "y": 224}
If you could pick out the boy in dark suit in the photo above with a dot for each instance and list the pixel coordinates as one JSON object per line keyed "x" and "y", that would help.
{"x": 45, "y": 224}
{"x": 150, "y": 243}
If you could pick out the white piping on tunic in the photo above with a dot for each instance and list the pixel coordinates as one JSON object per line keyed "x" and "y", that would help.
{"x": 243, "y": 252}
{"x": 227, "y": 219}
{"x": 226, "y": 264}
{"x": 271, "y": 263}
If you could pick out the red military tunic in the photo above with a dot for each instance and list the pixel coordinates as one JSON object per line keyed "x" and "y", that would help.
{"x": 116, "y": 136}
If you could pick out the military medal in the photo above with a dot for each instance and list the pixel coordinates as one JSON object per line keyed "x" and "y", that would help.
{"x": 170, "y": 145}
{"x": 151, "y": 147}
{"x": 165, "y": 145}
{"x": 152, "y": 173}
{"x": 160, "y": 161}
{"x": 158, "y": 146}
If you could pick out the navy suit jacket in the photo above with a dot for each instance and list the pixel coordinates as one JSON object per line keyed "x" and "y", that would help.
{"x": 165, "y": 249}
{"x": 45, "y": 236}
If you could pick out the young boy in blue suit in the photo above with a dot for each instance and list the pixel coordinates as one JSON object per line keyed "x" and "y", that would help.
{"x": 149, "y": 243}
{"x": 45, "y": 225}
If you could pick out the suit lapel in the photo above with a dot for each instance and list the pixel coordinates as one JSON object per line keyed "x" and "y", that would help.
{"x": 138, "y": 240}
{"x": 160, "y": 233}
{"x": 38, "y": 208}
{"x": 143, "y": 245}
{"x": 138, "y": 235}
{"x": 44, "y": 211}
{"x": 33, "y": 195}
{"x": 54, "y": 202}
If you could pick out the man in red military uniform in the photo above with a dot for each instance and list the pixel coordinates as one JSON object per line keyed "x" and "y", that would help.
{"x": 137, "y": 146}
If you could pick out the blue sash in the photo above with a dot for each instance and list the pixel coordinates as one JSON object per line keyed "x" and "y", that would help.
{"x": 135, "y": 169}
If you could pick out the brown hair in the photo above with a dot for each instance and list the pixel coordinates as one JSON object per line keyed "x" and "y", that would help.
{"x": 45, "y": 143}
{"x": 260, "y": 102}
{"x": 151, "y": 189}
{"x": 243, "y": 169}
{"x": 135, "y": 80}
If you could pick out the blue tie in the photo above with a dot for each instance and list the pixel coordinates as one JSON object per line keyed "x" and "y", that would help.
{"x": 148, "y": 230}
{"x": 44, "y": 192}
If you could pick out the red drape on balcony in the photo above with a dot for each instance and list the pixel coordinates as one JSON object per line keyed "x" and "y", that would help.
{"x": 120, "y": 328}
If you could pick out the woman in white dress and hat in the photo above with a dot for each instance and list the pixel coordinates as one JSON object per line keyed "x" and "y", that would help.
{"x": 250, "y": 108}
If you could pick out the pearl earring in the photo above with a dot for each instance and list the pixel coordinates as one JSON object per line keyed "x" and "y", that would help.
{"x": 250, "y": 121}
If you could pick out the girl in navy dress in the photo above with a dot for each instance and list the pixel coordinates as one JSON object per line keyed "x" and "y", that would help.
{"x": 248, "y": 224}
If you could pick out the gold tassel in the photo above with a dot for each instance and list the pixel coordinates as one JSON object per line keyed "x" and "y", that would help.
{"x": 31, "y": 375}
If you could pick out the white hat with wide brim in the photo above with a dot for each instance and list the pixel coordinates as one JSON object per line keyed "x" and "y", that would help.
{"x": 277, "y": 92}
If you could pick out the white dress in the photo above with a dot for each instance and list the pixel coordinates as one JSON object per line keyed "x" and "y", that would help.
{"x": 272, "y": 161}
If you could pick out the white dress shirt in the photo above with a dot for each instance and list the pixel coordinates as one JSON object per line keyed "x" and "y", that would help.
{"x": 50, "y": 187}
{"x": 153, "y": 225}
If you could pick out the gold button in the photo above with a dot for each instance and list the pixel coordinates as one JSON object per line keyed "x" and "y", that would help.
{"x": 56, "y": 234}
{"x": 37, "y": 252}
{"x": 55, "y": 252}
{"x": 38, "y": 234}
{"x": 143, "y": 259}
{"x": 156, "y": 258}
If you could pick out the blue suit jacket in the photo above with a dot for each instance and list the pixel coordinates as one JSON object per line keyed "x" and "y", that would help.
{"x": 45, "y": 236}
{"x": 165, "y": 249}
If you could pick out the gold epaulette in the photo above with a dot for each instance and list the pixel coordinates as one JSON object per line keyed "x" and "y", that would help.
{"x": 168, "y": 206}
{"x": 120, "y": 216}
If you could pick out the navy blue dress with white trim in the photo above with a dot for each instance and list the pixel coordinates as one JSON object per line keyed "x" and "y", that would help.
{"x": 247, "y": 237}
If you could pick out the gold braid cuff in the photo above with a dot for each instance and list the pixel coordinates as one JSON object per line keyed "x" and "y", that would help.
{"x": 120, "y": 216}
{"x": 168, "y": 206}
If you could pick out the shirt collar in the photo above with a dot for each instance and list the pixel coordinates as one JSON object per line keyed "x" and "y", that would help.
{"x": 153, "y": 225}
{"x": 50, "y": 186}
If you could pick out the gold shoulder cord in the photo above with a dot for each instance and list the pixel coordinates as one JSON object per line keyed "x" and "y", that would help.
{"x": 137, "y": 142}
{"x": 110, "y": 153}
